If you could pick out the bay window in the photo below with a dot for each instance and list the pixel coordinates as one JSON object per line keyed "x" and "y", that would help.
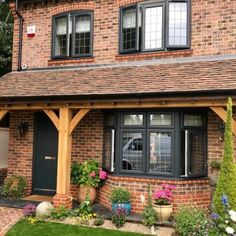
{"x": 155, "y": 143}
{"x": 155, "y": 25}
{"x": 72, "y": 35}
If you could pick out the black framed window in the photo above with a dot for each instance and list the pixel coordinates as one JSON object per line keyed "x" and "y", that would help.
{"x": 155, "y": 25}
{"x": 171, "y": 143}
{"x": 72, "y": 35}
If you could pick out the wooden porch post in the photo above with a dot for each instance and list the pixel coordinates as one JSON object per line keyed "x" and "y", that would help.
{"x": 3, "y": 113}
{"x": 65, "y": 125}
{"x": 63, "y": 196}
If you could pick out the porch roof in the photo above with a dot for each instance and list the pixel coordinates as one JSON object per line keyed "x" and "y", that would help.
{"x": 143, "y": 79}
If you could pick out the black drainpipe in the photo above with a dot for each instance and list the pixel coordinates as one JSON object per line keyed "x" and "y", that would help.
{"x": 21, "y": 20}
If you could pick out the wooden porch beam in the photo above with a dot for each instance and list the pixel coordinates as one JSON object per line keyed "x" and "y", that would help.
{"x": 222, "y": 113}
{"x": 53, "y": 117}
{"x": 3, "y": 113}
{"x": 64, "y": 151}
{"x": 77, "y": 118}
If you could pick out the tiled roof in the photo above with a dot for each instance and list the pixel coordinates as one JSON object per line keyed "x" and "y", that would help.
{"x": 153, "y": 78}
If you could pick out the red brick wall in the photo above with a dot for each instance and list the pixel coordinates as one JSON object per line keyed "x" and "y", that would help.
{"x": 213, "y": 31}
{"x": 187, "y": 192}
{"x": 20, "y": 152}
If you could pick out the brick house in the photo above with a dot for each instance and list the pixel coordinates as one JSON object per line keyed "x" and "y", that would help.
{"x": 140, "y": 86}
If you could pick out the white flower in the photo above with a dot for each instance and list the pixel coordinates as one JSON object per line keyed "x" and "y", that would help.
{"x": 226, "y": 221}
{"x": 142, "y": 198}
{"x": 229, "y": 230}
{"x": 232, "y": 215}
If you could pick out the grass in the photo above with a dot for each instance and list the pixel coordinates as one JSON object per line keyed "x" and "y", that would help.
{"x": 23, "y": 228}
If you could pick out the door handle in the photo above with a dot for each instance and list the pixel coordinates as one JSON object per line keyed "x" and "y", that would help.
{"x": 50, "y": 158}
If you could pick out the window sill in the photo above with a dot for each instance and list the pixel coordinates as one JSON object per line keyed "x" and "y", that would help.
{"x": 59, "y": 62}
{"x": 154, "y": 55}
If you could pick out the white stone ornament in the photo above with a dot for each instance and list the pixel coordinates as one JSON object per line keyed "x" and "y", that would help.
{"x": 44, "y": 209}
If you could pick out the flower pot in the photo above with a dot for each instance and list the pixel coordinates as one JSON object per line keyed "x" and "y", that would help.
{"x": 124, "y": 205}
{"x": 163, "y": 212}
{"x": 83, "y": 190}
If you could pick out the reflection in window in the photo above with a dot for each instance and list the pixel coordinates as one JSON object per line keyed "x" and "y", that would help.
{"x": 133, "y": 119}
{"x": 160, "y": 119}
{"x": 160, "y": 152}
{"x": 132, "y": 154}
{"x": 196, "y": 144}
{"x": 193, "y": 120}
{"x": 153, "y": 27}
{"x": 178, "y": 23}
{"x": 82, "y": 34}
{"x": 129, "y": 28}
{"x": 61, "y": 36}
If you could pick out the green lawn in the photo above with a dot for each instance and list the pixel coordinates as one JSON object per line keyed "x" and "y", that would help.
{"x": 24, "y": 228}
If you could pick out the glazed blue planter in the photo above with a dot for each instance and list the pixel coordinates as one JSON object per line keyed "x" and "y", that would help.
{"x": 124, "y": 205}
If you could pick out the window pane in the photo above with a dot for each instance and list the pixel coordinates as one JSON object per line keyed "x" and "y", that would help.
{"x": 61, "y": 36}
{"x": 178, "y": 23}
{"x": 129, "y": 28}
{"x": 132, "y": 153}
{"x": 193, "y": 120}
{"x": 196, "y": 145}
{"x": 160, "y": 119}
{"x": 82, "y": 34}
{"x": 133, "y": 119}
{"x": 153, "y": 27}
{"x": 160, "y": 152}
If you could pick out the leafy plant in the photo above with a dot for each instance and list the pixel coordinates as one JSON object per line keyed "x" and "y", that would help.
{"x": 88, "y": 173}
{"x": 119, "y": 217}
{"x": 60, "y": 213}
{"x": 120, "y": 195}
{"x": 99, "y": 220}
{"x": 29, "y": 210}
{"x": 164, "y": 195}
{"x": 148, "y": 213}
{"x": 191, "y": 221}
{"x": 225, "y": 223}
{"x": 215, "y": 164}
{"x": 14, "y": 187}
{"x": 227, "y": 177}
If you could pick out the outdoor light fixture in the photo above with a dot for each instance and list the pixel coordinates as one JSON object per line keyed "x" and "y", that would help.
{"x": 23, "y": 129}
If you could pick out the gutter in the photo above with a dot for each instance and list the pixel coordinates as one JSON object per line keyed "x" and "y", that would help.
{"x": 21, "y": 20}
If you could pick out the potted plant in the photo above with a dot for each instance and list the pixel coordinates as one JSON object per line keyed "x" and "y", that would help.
{"x": 89, "y": 176}
{"x": 162, "y": 202}
{"x": 120, "y": 199}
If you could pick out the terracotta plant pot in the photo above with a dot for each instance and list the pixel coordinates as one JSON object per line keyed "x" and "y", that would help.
{"x": 83, "y": 190}
{"x": 163, "y": 212}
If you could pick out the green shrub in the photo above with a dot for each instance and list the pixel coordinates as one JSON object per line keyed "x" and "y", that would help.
{"x": 119, "y": 217}
{"x": 99, "y": 220}
{"x": 149, "y": 214}
{"x": 14, "y": 187}
{"x": 119, "y": 195}
{"x": 60, "y": 213}
{"x": 215, "y": 164}
{"x": 227, "y": 177}
{"x": 191, "y": 221}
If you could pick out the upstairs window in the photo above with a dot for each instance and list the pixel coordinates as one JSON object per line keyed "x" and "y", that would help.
{"x": 155, "y": 25}
{"x": 72, "y": 35}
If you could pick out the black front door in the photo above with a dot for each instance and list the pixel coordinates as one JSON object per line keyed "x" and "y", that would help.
{"x": 45, "y": 156}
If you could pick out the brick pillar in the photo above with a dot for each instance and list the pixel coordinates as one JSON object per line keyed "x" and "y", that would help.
{"x": 62, "y": 200}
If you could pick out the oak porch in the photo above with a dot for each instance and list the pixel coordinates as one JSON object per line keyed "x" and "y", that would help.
{"x": 65, "y": 123}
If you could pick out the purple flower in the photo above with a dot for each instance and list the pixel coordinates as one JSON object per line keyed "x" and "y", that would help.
{"x": 29, "y": 209}
{"x": 214, "y": 216}
{"x": 225, "y": 200}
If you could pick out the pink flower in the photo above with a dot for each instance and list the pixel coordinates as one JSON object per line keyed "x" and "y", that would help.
{"x": 93, "y": 174}
{"x": 102, "y": 174}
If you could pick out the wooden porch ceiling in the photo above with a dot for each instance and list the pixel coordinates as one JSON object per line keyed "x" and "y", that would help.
{"x": 118, "y": 104}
